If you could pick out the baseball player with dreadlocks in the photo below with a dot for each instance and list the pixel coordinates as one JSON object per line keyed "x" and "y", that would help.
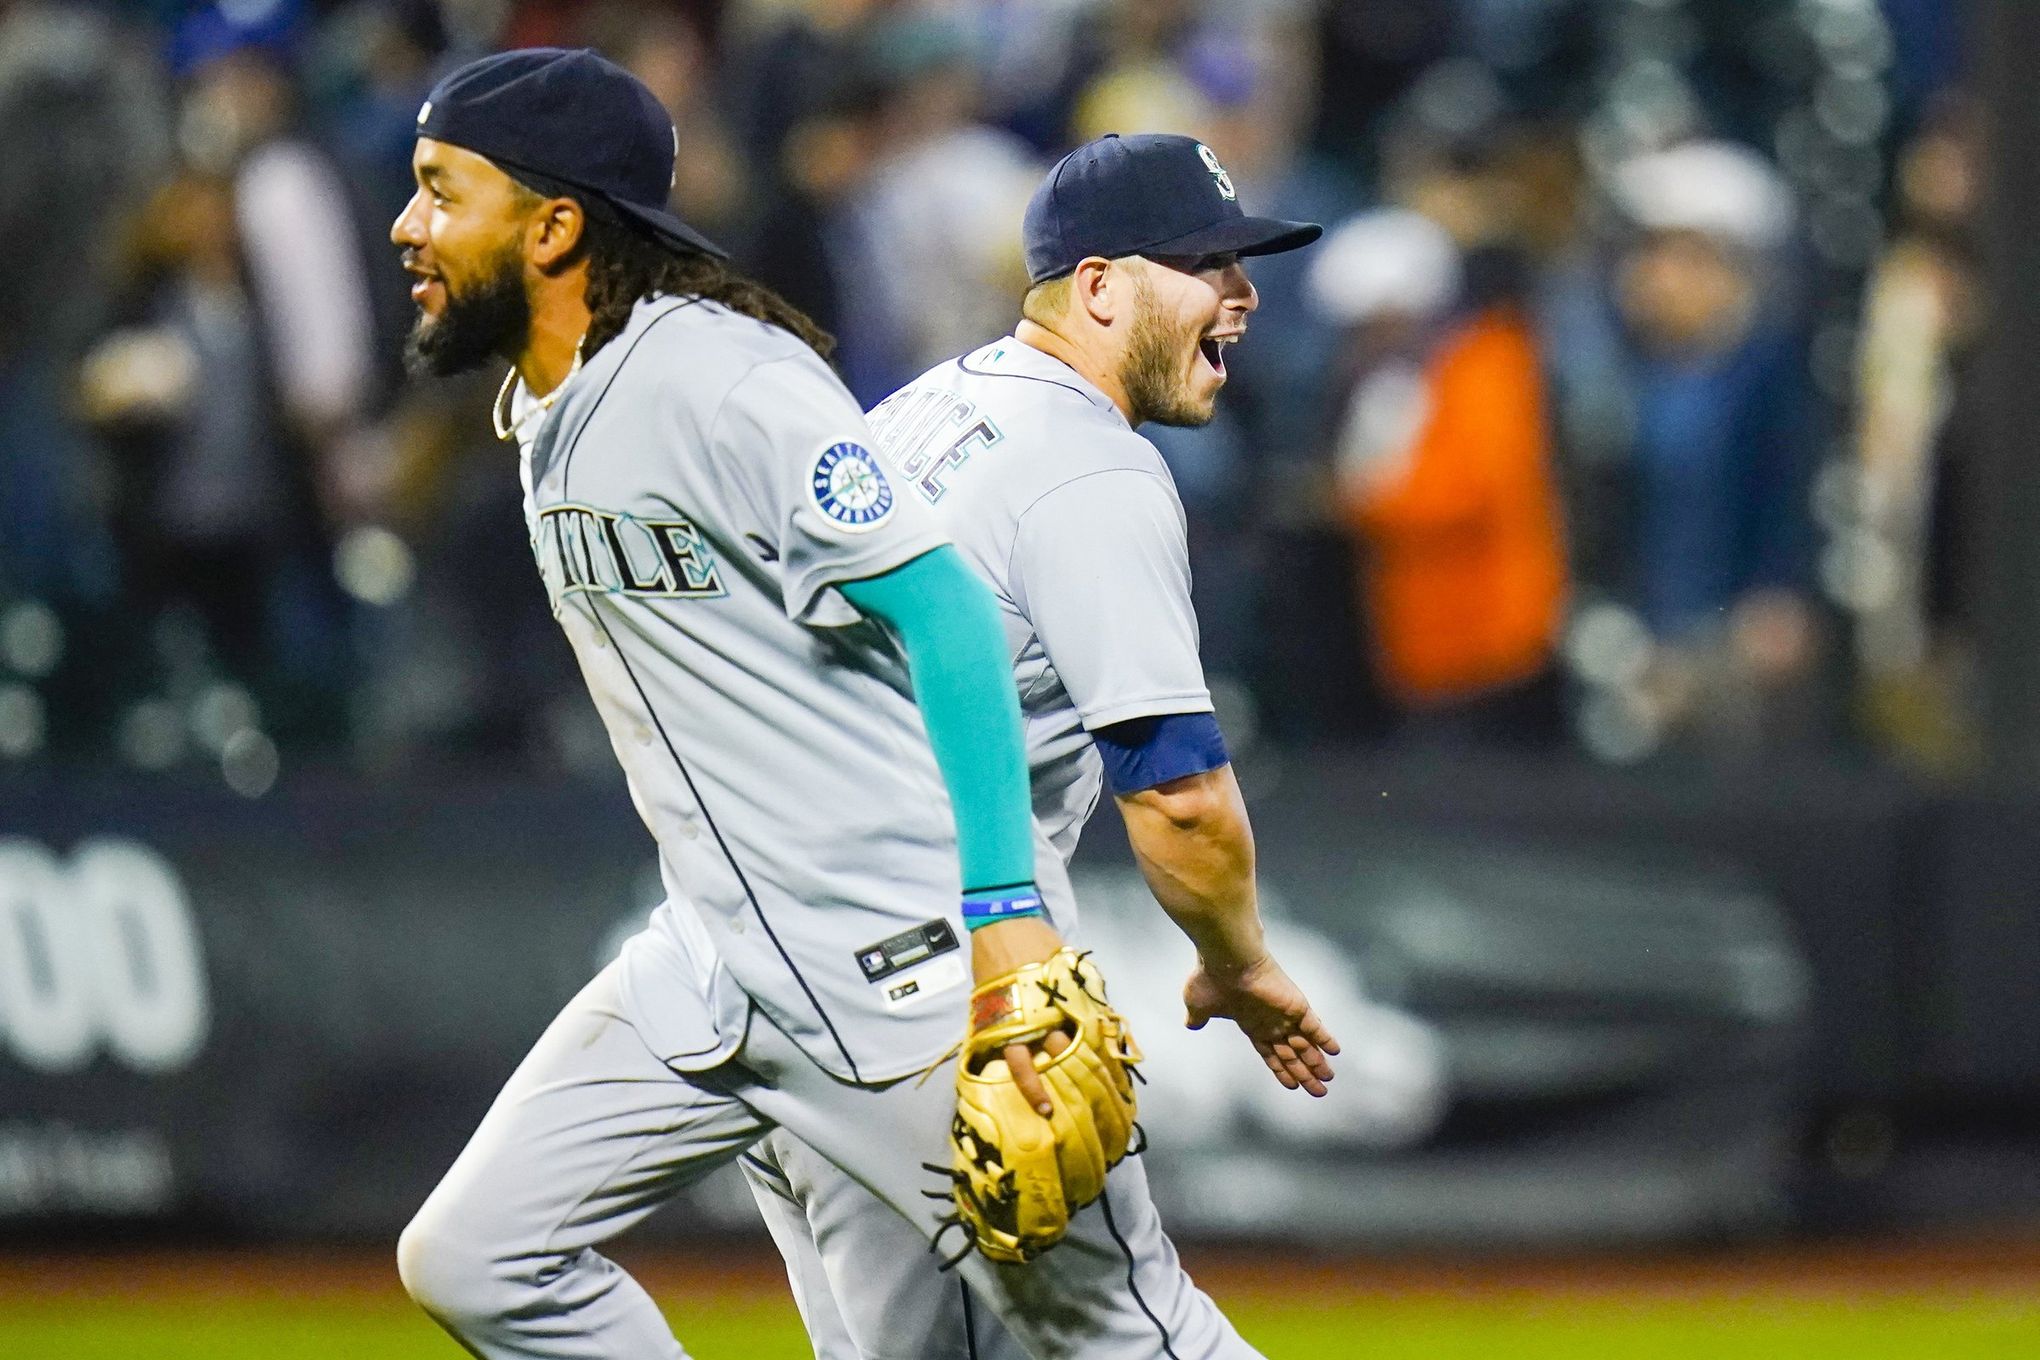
{"x": 809, "y": 695}
{"x": 1026, "y": 453}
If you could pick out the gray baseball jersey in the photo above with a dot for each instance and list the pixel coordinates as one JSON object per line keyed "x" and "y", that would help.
{"x": 688, "y": 533}
{"x": 1074, "y": 520}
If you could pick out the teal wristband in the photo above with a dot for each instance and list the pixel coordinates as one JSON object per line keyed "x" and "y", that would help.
{"x": 1001, "y": 904}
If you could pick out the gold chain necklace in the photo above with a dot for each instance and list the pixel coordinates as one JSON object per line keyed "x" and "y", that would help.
{"x": 499, "y": 412}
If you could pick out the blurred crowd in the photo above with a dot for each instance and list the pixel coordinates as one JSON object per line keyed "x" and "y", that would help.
{"x": 1623, "y": 410}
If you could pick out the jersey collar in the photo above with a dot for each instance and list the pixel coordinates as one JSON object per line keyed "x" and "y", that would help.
{"x": 528, "y": 416}
{"x": 1017, "y": 358}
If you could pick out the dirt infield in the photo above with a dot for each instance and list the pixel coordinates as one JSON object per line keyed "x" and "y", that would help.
{"x": 2006, "y": 1265}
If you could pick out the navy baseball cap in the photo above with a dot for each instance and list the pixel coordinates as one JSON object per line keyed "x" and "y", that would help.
{"x": 1149, "y": 194}
{"x": 567, "y": 122}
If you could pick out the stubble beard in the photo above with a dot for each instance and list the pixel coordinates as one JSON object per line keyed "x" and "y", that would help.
{"x": 488, "y": 321}
{"x": 1152, "y": 373}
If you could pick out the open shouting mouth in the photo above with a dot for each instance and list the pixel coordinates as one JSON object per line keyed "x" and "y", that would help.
{"x": 1213, "y": 347}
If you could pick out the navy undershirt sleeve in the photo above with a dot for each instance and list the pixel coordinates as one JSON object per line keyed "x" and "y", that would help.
{"x": 1143, "y": 752}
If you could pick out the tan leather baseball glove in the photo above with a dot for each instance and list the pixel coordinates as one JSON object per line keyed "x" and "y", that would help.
{"x": 1016, "y": 1176}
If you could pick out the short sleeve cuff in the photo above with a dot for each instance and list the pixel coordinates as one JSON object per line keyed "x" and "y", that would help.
{"x": 1146, "y": 752}
{"x": 1101, "y": 716}
{"x": 811, "y": 599}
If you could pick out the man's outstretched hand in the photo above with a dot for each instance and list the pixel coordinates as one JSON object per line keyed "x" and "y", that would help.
{"x": 1272, "y": 1012}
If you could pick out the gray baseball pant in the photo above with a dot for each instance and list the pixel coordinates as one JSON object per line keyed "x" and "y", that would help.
{"x": 593, "y": 1132}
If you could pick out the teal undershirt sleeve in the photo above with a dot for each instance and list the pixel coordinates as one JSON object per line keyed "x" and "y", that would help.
{"x": 947, "y": 621}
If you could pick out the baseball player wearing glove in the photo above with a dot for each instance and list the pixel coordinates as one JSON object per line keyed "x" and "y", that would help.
{"x": 1016, "y": 1181}
{"x": 1027, "y": 453}
{"x": 806, "y": 689}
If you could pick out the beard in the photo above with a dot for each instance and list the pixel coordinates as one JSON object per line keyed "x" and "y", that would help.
{"x": 488, "y": 321}
{"x": 1152, "y": 373}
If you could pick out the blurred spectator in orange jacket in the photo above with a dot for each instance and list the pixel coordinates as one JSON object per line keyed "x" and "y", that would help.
{"x": 1443, "y": 469}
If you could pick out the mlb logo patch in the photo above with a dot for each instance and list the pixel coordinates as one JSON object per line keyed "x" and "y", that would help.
{"x": 850, "y": 488}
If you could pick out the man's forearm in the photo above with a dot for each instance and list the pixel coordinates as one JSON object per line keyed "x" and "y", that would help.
{"x": 1195, "y": 846}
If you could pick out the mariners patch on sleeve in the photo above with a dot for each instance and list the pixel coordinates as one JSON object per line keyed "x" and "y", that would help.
{"x": 850, "y": 488}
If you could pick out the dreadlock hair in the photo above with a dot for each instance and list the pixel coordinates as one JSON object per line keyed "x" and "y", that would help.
{"x": 626, "y": 265}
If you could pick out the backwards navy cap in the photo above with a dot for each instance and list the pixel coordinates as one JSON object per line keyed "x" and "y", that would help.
{"x": 1150, "y": 194}
{"x": 567, "y": 120}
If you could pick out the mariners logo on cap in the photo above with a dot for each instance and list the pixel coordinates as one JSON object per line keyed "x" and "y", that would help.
{"x": 849, "y": 487}
{"x": 1225, "y": 184}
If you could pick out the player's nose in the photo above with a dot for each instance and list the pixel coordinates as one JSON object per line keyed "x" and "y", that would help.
{"x": 409, "y": 228}
{"x": 1240, "y": 292}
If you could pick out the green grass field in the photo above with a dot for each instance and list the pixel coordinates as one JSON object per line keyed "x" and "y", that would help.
{"x": 1433, "y": 1329}
{"x": 1416, "y": 1330}
{"x": 175, "y": 1308}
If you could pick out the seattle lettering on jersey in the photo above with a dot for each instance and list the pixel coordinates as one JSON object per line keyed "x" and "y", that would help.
{"x": 928, "y": 432}
{"x": 584, "y": 550}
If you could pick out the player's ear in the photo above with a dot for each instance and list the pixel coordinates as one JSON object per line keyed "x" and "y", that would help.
{"x": 555, "y": 231}
{"x": 1100, "y": 290}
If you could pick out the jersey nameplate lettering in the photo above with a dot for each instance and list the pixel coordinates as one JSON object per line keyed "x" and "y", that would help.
{"x": 582, "y": 550}
{"x": 930, "y": 432}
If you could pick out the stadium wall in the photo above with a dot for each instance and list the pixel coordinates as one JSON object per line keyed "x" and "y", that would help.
{"x": 1578, "y": 1006}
